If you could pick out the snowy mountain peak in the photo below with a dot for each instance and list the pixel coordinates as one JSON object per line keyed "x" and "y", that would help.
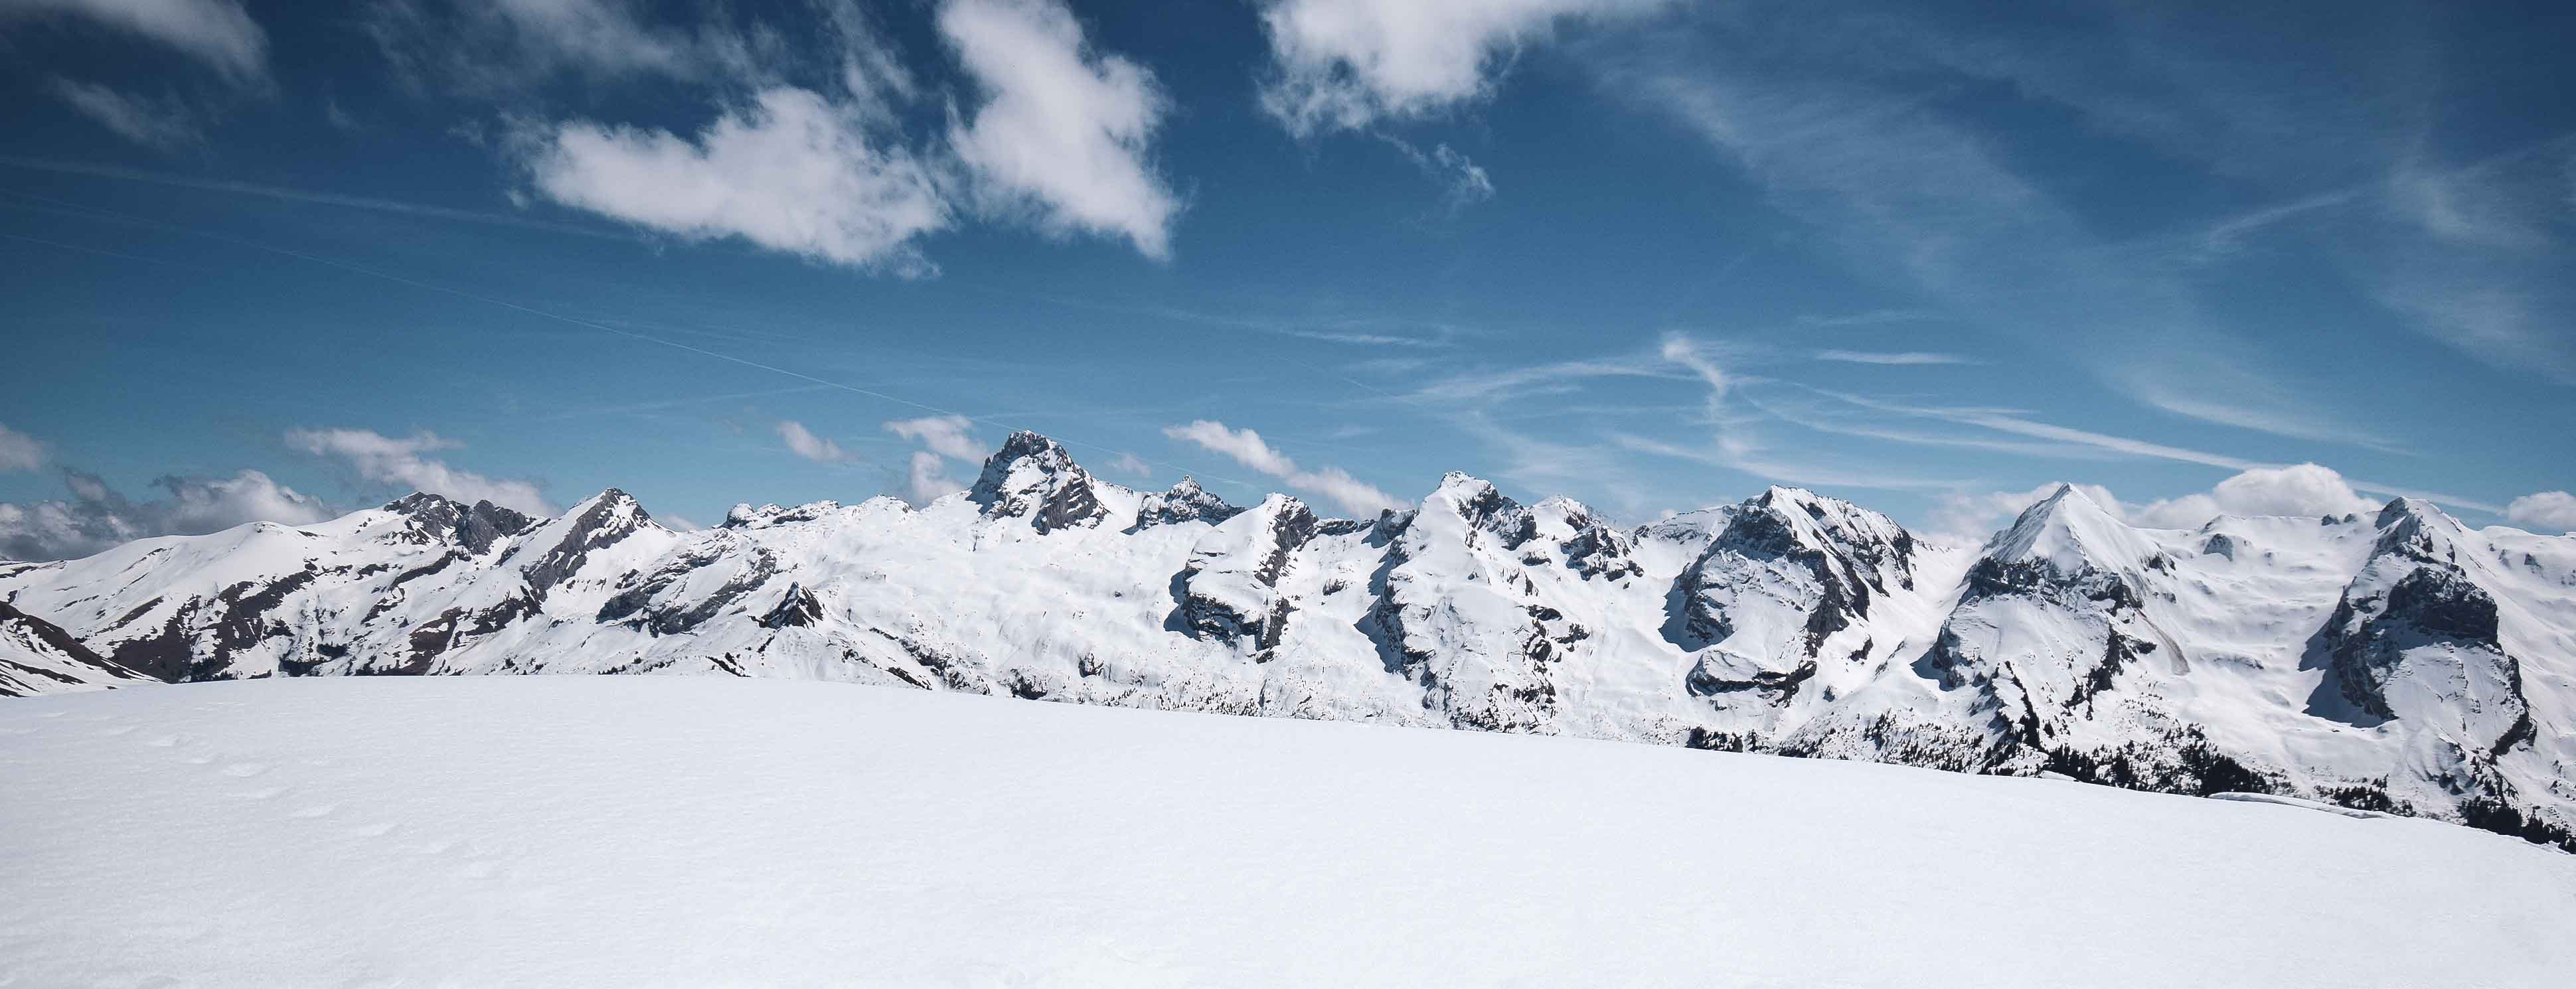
{"x": 1035, "y": 478}
{"x": 1484, "y": 507}
{"x": 2069, "y": 531}
{"x": 1185, "y": 502}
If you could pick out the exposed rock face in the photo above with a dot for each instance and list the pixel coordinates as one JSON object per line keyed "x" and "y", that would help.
{"x": 475, "y": 529}
{"x": 2415, "y": 638}
{"x": 592, "y": 525}
{"x": 1032, "y": 477}
{"x": 2403, "y": 663}
{"x": 1230, "y": 588}
{"x": 38, "y": 657}
{"x": 1186, "y": 502}
{"x": 795, "y": 609}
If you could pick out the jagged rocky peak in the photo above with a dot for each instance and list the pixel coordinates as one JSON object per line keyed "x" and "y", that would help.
{"x": 1784, "y": 519}
{"x": 1033, "y": 477}
{"x": 437, "y": 518}
{"x": 2418, "y": 639}
{"x": 601, "y": 520}
{"x": 1485, "y": 508}
{"x": 1591, "y": 547}
{"x": 1229, "y": 588}
{"x": 1185, "y": 502}
{"x": 1790, "y": 570}
{"x": 2418, "y": 530}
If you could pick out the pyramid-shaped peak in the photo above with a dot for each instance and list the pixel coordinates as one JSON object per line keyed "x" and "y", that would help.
{"x": 2070, "y": 530}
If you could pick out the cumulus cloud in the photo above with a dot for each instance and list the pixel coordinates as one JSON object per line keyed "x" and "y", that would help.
{"x": 947, "y": 436}
{"x": 1064, "y": 131}
{"x": 2299, "y": 489}
{"x": 142, "y": 120}
{"x": 790, "y": 172}
{"x": 926, "y": 479}
{"x": 2547, "y": 511}
{"x": 19, "y": 451}
{"x": 398, "y": 460}
{"x": 1246, "y": 447}
{"x": 803, "y": 443}
{"x": 1344, "y": 64}
{"x": 217, "y": 32}
{"x": 96, "y": 517}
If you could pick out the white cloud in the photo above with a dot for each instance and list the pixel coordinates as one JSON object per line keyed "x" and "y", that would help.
{"x": 503, "y": 47}
{"x": 1246, "y": 447}
{"x": 1463, "y": 183}
{"x": 803, "y": 443}
{"x": 1129, "y": 463}
{"x": 1063, "y": 131}
{"x": 790, "y": 172}
{"x": 390, "y": 460}
{"x": 96, "y": 517}
{"x": 947, "y": 436}
{"x": 144, "y": 121}
{"x": 2547, "y": 511}
{"x": 19, "y": 451}
{"x": 2299, "y": 489}
{"x": 926, "y": 479}
{"x": 1343, "y": 64}
{"x": 217, "y": 32}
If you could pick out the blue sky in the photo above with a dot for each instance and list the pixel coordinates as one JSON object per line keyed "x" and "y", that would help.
{"x": 267, "y": 260}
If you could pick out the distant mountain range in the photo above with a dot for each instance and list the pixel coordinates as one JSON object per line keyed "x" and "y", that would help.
{"x": 2399, "y": 662}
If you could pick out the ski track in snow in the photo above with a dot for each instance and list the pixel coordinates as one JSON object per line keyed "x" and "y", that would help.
{"x": 649, "y": 831}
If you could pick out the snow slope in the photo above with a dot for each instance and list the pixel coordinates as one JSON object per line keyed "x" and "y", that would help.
{"x": 649, "y": 831}
{"x": 2402, "y": 663}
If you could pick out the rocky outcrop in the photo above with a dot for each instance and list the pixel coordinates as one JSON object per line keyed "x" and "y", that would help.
{"x": 1032, "y": 477}
{"x": 38, "y": 657}
{"x": 1185, "y": 502}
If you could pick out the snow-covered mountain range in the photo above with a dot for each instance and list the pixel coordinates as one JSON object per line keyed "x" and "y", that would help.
{"x": 2401, "y": 662}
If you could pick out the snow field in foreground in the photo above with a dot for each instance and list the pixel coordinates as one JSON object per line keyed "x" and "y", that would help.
{"x": 652, "y": 831}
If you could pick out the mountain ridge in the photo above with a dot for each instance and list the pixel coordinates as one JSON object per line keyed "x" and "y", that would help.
{"x": 2400, "y": 663}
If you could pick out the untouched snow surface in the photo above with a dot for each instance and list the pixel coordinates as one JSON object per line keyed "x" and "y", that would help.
{"x": 649, "y": 831}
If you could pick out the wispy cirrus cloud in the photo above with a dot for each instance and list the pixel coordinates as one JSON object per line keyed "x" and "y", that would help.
{"x": 1900, "y": 357}
{"x": 219, "y": 33}
{"x": 155, "y": 123}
